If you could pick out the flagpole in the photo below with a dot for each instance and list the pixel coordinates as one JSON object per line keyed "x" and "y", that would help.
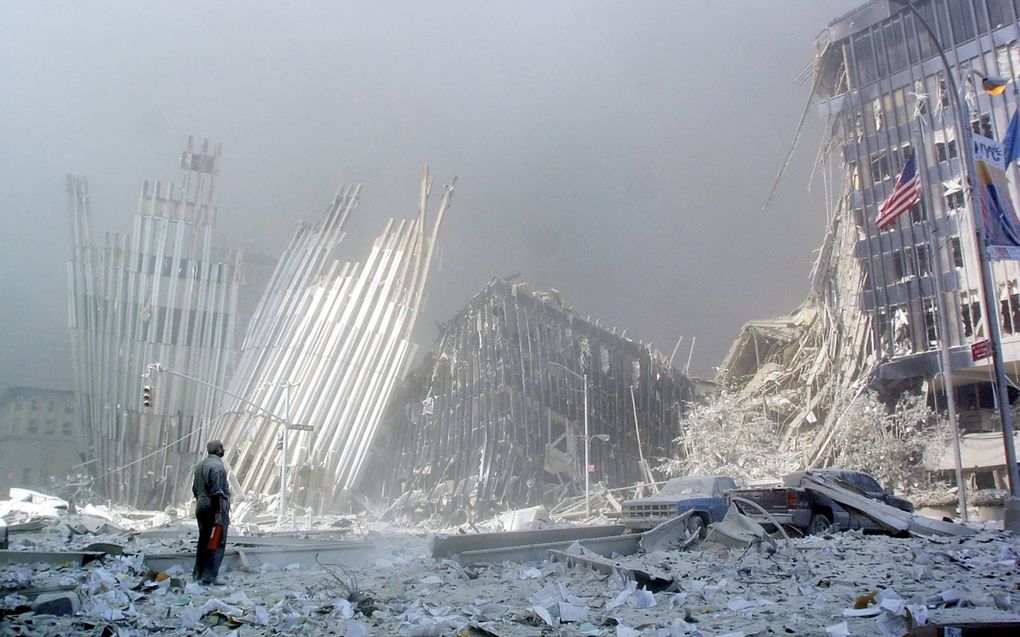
{"x": 1011, "y": 514}
{"x": 946, "y": 364}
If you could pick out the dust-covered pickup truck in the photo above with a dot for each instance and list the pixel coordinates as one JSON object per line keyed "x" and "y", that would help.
{"x": 793, "y": 505}
{"x": 704, "y": 496}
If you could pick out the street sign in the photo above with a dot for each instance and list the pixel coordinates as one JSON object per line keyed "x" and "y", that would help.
{"x": 294, "y": 427}
{"x": 981, "y": 350}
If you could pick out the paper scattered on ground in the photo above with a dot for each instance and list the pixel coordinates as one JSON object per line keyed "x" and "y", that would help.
{"x": 843, "y": 584}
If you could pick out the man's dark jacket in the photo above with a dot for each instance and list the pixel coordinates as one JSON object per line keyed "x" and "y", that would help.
{"x": 210, "y": 481}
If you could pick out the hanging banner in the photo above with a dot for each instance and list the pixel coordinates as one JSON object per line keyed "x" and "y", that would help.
{"x": 1001, "y": 223}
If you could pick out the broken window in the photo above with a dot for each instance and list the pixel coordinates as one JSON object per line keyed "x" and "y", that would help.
{"x": 901, "y": 331}
{"x": 880, "y": 168}
{"x": 1009, "y": 310}
{"x": 970, "y": 314}
{"x": 917, "y": 213}
{"x": 982, "y": 124}
{"x": 881, "y": 328}
{"x": 930, "y": 322}
{"x": 898, "y": 266}
{"x": 945, "y": 146}
{"x": 920, "y": 96}
{"x": 957, "y": 250}
{"x": 855, "y": 175}
{"x": 943, "y": 95}
{"x": 923, "y": 260}
{"x": 954, "y": 198}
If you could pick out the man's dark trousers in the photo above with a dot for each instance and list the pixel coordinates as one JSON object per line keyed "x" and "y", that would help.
{"x": 207, "y": 563}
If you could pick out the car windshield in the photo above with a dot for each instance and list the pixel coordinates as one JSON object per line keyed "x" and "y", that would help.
{"x": 689, "y": 487}
{"x": 864, "y": 482}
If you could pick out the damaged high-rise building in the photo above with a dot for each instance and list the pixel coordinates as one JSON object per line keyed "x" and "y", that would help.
{"x": 163, "y": 292}
{"x": 874, "y": 316}
{"x": 499, "y": 413}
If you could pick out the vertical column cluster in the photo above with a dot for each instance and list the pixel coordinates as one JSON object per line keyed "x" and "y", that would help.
{"x": 161, "y": 293}
{"x": 336, "y": 337}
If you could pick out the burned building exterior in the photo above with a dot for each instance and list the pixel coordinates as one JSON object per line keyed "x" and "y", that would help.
{"x": 495, "y": 416}
{"x": 163, "y": 293}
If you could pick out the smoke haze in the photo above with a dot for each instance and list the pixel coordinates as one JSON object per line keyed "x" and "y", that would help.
{"x": 618, "y": 152}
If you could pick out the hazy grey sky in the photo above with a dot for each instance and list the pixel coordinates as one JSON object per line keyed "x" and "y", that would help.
{"x": 617, "y": 151}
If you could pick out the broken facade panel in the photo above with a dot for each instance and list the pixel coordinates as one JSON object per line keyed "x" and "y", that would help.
{"x": 494, "y": 418}
{"x": 874, "y": 315}
{"x": 323, "y": 350}
{"x": 161, "y": 293}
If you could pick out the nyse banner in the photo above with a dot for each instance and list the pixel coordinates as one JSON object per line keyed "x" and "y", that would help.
{"x": 1001, "y": 223}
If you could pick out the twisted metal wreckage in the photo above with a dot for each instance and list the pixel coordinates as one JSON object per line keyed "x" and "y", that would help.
{"x": 805, "y": 369}
{"x": 323, "y": 350}
{"x": 163, "y": 292}
{"x": 494, "y": 418}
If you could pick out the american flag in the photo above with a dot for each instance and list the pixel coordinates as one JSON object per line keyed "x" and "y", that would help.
{"x": 905, "y": 194}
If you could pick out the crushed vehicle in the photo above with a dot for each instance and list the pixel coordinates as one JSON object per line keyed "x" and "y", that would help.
{"x": 797, "y": 506}
{"x": 704, "y": 496}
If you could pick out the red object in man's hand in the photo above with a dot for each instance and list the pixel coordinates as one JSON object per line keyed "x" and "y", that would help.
{"x": 215, "y": 538}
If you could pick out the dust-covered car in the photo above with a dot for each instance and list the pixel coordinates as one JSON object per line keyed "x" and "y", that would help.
{"x": 704, "y": 496}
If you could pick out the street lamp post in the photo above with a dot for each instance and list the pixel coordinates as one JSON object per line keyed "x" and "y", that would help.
{"x": 285, "y": 424}
{"x": 1012, "y": 513}
{"x": 587, "y": 451}
{"x": 587, "y": 438}
{"x": 283, "y": 463}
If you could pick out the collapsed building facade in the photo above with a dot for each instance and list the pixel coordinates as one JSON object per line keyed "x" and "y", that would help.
{"x": 164, "y": 293}
{"x": 322, "y": 352}
{"x": 499, "y": 413}
{"x": 885, "y": 302}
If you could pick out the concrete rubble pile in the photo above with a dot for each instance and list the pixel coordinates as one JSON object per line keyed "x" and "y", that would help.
{"x": 804, "y": 370}
{"x": 656, "y": 583}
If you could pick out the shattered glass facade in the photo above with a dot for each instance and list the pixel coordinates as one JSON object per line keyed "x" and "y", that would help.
{"x": 881, "y": 83}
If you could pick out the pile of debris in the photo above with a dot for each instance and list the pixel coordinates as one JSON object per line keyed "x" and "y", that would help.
{"x": 594, "y": 580}
{"x": 499, "y": 413}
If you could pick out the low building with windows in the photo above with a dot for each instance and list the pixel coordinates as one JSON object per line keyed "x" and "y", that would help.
{"x": 39, "y": 443}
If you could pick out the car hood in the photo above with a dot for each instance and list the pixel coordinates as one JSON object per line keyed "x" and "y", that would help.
{"x": 682, "y": 503}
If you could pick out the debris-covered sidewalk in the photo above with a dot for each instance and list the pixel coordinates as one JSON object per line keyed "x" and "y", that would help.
{"x": 839, "y": 584}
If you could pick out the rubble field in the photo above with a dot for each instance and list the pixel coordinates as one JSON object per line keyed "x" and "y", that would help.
{"x": 839, "y": 584}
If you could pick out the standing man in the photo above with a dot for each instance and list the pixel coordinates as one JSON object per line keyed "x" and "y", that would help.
{"x": 212, "y": 509}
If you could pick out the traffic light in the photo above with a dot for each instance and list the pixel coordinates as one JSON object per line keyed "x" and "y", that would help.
{"x": 147, "y": 396}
